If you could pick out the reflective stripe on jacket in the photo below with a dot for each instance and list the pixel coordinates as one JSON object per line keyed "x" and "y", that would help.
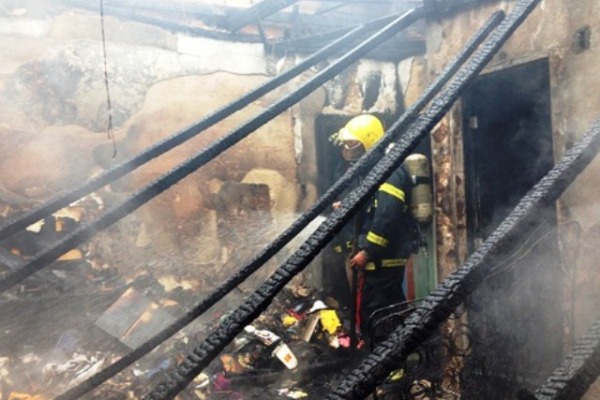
{"x": 385, "y": 234}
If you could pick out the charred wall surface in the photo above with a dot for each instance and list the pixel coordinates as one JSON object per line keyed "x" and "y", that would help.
{"x": 57, "y": 132}
{"x": 54, "y": 120}
{"x": 561, "y": 32}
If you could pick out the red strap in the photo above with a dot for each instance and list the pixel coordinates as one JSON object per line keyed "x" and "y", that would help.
{"x": 361, "y": 283}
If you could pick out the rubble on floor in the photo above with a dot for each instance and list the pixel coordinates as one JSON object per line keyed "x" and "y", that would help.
{"x": 83, "y": 313}
{"x": 294, "y": 350}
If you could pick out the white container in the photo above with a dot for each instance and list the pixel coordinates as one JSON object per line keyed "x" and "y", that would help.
{"x": 285, "y": 355}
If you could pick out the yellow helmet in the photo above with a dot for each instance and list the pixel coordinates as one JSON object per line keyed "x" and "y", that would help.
{"x": 365, "y": 128}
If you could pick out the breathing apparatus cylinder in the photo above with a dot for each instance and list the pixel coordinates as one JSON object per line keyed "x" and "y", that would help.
{"x": 421, "y": 197}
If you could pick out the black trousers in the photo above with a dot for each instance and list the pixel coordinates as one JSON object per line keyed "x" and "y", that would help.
{"x": 380, "y": 288}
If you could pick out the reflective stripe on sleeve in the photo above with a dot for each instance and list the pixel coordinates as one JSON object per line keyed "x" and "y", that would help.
{"x": 376, "y": 239}
{"x": 393, "y": 191}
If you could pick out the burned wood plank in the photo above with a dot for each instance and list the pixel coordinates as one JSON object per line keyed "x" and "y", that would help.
{"x": 577, "y": 372}
{"x": 238, "y": 19}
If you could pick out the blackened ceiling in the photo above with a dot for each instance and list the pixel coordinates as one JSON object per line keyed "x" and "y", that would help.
{"x": 285, "y": 27}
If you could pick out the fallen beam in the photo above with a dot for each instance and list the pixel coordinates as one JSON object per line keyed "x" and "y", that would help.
{"x": 578, "y": 371}
{"x": 438, "y": 306}
{"x": 201, "y": 356}
{"x": 325, "y": 201}
{"x": 238, "y": 19}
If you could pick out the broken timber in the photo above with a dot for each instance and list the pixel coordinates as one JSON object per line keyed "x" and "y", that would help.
{"x": 206, "y": 155}
{"x": 202, "y": 354}
{"x": 573, "y": 377}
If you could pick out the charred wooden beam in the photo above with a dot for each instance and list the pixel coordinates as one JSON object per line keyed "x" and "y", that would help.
{"x": 211, "y": 152}
{"x": 208, "y": 13}
{"x": 170, "y": 21}
{"x": 578, "y": 371}
{"x": 238, "y": 19}
{"x": 8, "y": 260}
{"x": 394, "y": 51}
{"x": 201, "y": 356}
{"x": 440, "y": 7}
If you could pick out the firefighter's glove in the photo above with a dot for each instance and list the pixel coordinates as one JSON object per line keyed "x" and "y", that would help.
{"x": 360, "y": 259}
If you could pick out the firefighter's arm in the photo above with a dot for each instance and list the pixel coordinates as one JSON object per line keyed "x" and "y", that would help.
{"x": 390, "y": 206}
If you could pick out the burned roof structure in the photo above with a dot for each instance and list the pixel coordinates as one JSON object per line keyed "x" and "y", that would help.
{"x": 523, "y": 220}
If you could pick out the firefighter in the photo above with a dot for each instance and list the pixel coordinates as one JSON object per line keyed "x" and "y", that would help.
{"x": 383, "y": 231}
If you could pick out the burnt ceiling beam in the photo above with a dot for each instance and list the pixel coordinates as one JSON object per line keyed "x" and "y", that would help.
{"x": 395, "y": 50}
{"x": 239, "y": 19}
{"x": 171, "y": 22}
{"x": 441, "y": 7}
{"x": 209, "y": 14}
{"x": 573, "y": 378}
{"x": 201, "y": 356}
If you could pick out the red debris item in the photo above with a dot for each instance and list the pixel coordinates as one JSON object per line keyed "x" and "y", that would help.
{"x": 297, "y": 315}
{"x": 220, "y": 382}
{"x": 344, "y": 341}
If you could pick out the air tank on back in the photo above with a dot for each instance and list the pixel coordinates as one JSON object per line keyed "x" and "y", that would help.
{"x": 421, "y": 197}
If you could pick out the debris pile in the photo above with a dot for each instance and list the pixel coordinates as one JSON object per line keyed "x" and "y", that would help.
{"x": 297, "y": 349}
{"x": 294, "y": 350}
{"x": 87, "y": 310}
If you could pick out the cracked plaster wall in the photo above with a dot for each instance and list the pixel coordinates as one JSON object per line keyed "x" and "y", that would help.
{"x": 575, "y": 99}
{"x": 53, "y": 120}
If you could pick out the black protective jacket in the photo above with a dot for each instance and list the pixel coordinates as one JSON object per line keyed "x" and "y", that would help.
{"x": 387, "y": 223}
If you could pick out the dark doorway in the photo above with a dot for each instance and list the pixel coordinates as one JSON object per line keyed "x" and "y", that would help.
{"x": 517, "y": 311}
{"x": 508, "y": 142}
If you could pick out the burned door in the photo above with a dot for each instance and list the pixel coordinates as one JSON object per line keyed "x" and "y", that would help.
{"x": 515, "y": 316}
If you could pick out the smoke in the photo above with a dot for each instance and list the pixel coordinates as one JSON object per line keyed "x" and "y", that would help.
{"x": 259, "y": 235}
